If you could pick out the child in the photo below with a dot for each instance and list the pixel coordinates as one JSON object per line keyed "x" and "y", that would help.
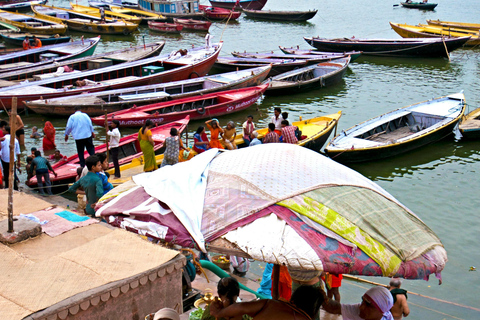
{"x": 91, "y": 184}
{"x": 81, "y": 197}
{"x": 114, "y": 135}
{"x": 28, "y": 166}
{"x": 41, "y": 167}
{"x": 35, "y": 134}
{"x": 107, "y": 186}
{"x": 57, "y": 156}
{"x": 32, "y": 152}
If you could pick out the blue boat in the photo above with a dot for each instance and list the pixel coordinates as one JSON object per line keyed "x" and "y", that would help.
{"x": 188, "y": 9}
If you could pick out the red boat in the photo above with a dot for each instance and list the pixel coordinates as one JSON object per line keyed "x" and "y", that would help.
{"x": 195, "y": 25}
{"x": 198, "y": 107}
{"x": 183, "y": 64}
{"x": 129, "y": 149}
{"x": 215, "y": 13}
{"x": 165, "y": 27}
{"x": 239, "y": 4}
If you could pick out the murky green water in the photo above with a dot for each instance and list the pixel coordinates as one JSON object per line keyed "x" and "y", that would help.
{"x": 440, "y": 182}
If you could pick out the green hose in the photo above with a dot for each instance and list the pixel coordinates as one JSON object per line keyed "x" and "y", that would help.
{"x": 222, "y": 274}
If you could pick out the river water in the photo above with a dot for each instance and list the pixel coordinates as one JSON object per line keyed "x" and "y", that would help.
{"x": 439, "y": 182}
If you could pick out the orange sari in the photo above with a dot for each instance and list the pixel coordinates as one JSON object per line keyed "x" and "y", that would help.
{"x": 214, "y": 142}
{"x": 48, "y": 136}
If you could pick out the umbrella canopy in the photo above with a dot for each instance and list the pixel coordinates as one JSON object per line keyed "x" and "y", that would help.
{"x": 285, "y": 204}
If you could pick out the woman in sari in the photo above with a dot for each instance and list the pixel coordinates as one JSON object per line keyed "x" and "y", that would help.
{"x": 146, "y": 144}
{"x": 215, "y": 130}
{"x": 200, "y": 140}
{"x": 48, "y": 137}
{"x": 173, "y": 144}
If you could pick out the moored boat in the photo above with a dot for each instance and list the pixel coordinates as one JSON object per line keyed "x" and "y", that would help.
{"x": 108, "y": 14}
{"x": 95, "y": 104}
{"x": 84, "y": 22}
{"x": 419, "y": 5}
{"x": 183, "y": 9}
{"x": 194, "y": 63}
{"x": 280, "y": 15}
{"x": 427, "y": 47}
{"x": 193, "y": 25}
{"x": 430, "y": 31}
{"x": 165, "y": 27}
{"x": 129, "y": 149}
{"x": 451, "y": 24}
{"x": 216, "y": 13}
{"x": 109, "y": 3}
{"x": 315, "y": 131}
{"x": 398, "y": 131}
{"x": 146, "y": 15}
{"x": 21, "y": 6}
{"x": 297, "y": 51}
{"x": 470, "y": 125}
{"x": 239, "y": 5}
{"x": 44, "y": 55}
{"x": 7, "y": 27}
{"x": 16, "y": 39}
{"x": 197, "y": 107}
{"x": 33, "y": 25}
{"x": 308, "y": 78}
{"x": 310, "y": 59}
{"x": 226, "y": 64}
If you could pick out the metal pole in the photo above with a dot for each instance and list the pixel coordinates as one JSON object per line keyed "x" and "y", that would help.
{"x": 106, "y": 135}
{"x": 11, "y": 175}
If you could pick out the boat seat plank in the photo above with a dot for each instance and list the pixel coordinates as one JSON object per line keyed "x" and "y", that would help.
{"x": 5, "y": 83}
{"x": 158, "y": 94}
{"x": 392, "y": 135}
{"x": 119, "y": 80}
{"x": 14, "y": 65}
{"x": 470, "y": 124}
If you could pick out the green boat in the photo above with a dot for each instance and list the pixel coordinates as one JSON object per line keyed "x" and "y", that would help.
{"x": 419, "y": 5}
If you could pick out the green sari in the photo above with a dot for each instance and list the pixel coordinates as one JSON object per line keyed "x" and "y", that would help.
{"x": 150, "y": 163}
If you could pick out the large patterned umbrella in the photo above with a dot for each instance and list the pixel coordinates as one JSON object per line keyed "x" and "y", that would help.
{"x": 282, "y": 204}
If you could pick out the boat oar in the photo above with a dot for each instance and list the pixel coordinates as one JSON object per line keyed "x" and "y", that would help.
{"x": 446, "y": 50}
{"x": 396, "y": 5}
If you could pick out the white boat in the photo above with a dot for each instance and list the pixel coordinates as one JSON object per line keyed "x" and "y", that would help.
{"x": 398, "y": 131}
{"x": 188, "y": 9}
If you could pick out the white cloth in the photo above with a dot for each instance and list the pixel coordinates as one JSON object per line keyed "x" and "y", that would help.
{"x": 185, "y": 179}
{"x": 166, "y": 313}
{"x": 352, "y": 312}
{"x": 5, "y": 151}
{"x": 380, "y": 296}
{"x": 114, "y": 138}
{"x": 277, "y": 122}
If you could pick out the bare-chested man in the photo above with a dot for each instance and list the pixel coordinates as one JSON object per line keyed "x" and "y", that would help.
{"x": 400, "y": 306}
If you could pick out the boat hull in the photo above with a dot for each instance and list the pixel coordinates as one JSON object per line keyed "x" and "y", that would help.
{"x": 280, "y": 15}
{"x": 243, "y": 4}
{"x": 193, "y": 25}
{"x": 16, "y": 39}
{"x": 165, "y": 27}
{"x": 470, "y": 126}
{"x": 227, "y": 65}
{"x": 216, "y": 13}
{"x": 419, "y": 5}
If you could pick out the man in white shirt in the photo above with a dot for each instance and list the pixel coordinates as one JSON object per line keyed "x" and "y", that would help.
{"x": 114, "y": 135}
{"x": 277, "y": 120}
{"x": 80, "y": 126}
{"x": 5, "y": 157}
{"x": 376, "y": 305}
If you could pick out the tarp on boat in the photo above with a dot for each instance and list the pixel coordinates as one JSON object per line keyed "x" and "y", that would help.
{"x": 282, "y": 203}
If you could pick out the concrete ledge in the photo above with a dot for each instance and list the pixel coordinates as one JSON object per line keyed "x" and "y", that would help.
{"x": 23, "y": 229}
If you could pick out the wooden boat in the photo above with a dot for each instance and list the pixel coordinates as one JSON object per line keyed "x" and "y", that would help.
{"x": 426, "y": 31}
{"x": 195, "y": 63}
{"x": 95, "y": 104}
{"x": 239, "y": 5}
{"x": 308, "y": 78}
{"x": 108, "y": 14}
{"x": 216, "y": 13}
{"x": 398, "y": 131}
{"x": 193, "y": 25}
{"x": 470, "y": 125}
{"x": 280, "y": 15}
{"x": 33, "y": 25}
{"x": 16, "y": 39}
{"x": 459, "y": 25}
{"x": 83, "y": 22}
{"x": 182, "y": 9}
{"x": 107, "y": 4}
{"x": 419, "y": 5}
{"x": 81, "y": 64}
{"x": 7, "y": 27}
{"x": 145, "y": 15}
{"x": 129, "y": 149}
{"x": 165, "y": 27}
{"x": 354, "y": 55}
{"x": 311, "y": 59}
{"x": 197, "y": 107}
{"x": 226, "y": 64}
{"x": 316, "y": 131}
{"x": 20, "y": 6}
{"x": 390, "y": 47}
{"x": 44, "y": 55}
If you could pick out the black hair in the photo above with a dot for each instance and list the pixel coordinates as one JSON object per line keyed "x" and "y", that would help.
{"x": 146, "y": 124}
{"x": 7, "y": 129}
{"x": 173, "y": 132}
{"x": 271, "y": 126}
{"x": 3, "y": 123}
{"x": 79, "y": 170}
{"x": 33, "y": 149}
{"x": 229, "y": 288}
{"x": 117, "y": 123}
{"x": 91, "y": 161}
{"x": 308, "y": 298}
{"x": 29, "y": 159}
{"x": 285, "y": 122}
{"x": 277, "y": 109}
{"x": 37, "y": 153}
{"x": 200, "y": 129}
{"x": 101, "y": 156}
{"x": 285, "y": 115}
{"x": 250, "y": 116}
{"x": 78, "y": 107}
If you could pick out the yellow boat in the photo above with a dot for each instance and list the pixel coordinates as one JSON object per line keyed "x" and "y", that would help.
{"x": 108, "y": 14}
{"x": 470, "y": 125}
{"x": 450, "y": 24}
{"x": 146, "y": 15}
{"x": 429, "y": 31}
{"x": 83, "y": 22}
{"x": 31, "y": 24}
{"x": 317, "y": 131}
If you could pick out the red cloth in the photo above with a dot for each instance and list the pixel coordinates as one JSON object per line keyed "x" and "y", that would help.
{"x": 49, "y": 136}
{"x": 284, "y": 284}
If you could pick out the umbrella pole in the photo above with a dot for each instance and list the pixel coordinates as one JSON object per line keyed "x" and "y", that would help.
{"x": 275, "y": 281}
